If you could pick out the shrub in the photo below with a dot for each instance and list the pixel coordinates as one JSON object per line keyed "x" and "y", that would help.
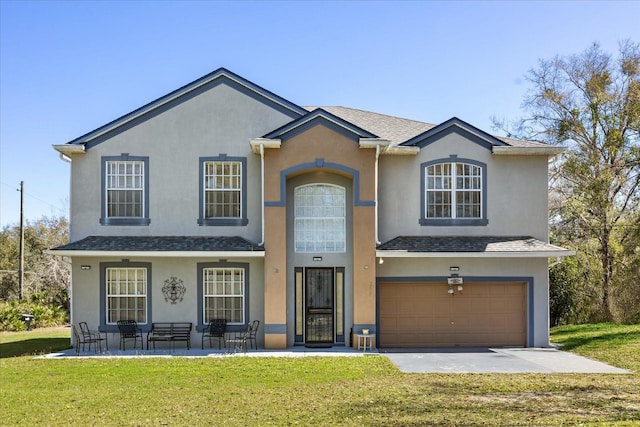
{"x": 45, "y": 315}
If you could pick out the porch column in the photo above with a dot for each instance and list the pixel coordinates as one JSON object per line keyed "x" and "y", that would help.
{"x": 275, "y": 278}
{"x": 364, "y": 270}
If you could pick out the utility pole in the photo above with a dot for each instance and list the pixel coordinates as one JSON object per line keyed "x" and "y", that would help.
{"x": 21, "y": 267}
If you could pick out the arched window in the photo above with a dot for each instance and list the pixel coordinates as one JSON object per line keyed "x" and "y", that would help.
{"x": 319, "y": 218}
{"x": 454, "y": 193}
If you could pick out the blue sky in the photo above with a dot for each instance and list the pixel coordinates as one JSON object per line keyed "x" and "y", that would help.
{"x": 67, "y": 68}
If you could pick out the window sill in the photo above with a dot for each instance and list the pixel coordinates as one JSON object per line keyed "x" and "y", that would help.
{"x": 229, "y": 222}
{"x": 125, "y": 221}
{"x": 457, "y": 222}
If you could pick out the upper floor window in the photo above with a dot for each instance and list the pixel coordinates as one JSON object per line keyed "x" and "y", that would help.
{"x": 125, "y": 190}
{"x": 454, "y": 193}
{"x": 320, "y": 218}
{"x": 222, "y": 191}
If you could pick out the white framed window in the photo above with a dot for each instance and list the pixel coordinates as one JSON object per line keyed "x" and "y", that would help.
{"x": 222, "y": 189}
{"x": 224, "y": 294}
{"x": 125, "y": 189}
{"x": 319, "y": 218}
{"x": 453, "y": 190}
{"x": 126, "y": 294}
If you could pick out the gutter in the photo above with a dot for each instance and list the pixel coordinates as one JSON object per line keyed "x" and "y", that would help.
{"x": 376, "y": 194}
{"x": 158, "y": 254}
{"x": 262, "y": 193}
{"x": 496, "y": 254}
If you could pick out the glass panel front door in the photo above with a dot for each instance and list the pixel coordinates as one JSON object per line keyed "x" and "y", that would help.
{"x": 319, "y": 303}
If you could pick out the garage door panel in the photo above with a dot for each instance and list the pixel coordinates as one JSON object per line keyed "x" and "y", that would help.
{"x": 425, "y": 315}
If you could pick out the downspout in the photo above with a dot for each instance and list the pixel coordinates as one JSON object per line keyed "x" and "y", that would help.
{"x": 376, "y": 192}
{"x": 262, "y": 191}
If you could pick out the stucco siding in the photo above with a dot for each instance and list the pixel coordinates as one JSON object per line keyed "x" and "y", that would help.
{"x": 516, "y": 192}
{"x": 218, "y": 121}
{"x": 87, "y": 289}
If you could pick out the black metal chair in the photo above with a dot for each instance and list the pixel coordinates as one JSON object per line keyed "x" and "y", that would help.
{"x": 239, "y": 341}
{"x": 129, "y": 330}
{"x": 80, "y": 339}
{"x": 216, "y": 330}
{"x": 254, "y": 333}
{"x": 92, "y": 336}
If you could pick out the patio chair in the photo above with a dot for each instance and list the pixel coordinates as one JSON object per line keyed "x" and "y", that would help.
{"x": 254, "y": 333}
{"x": 92, "y": 336}
{"x": 239, "y": 341}
{"x": 129, "y": 330}
{"x": 215, "y": 330}
{"x": 80, "y": 339}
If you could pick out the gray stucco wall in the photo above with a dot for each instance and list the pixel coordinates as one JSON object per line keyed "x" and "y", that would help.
{"x": 218, "y": 121}
{"x": 87, "y": 288}
{"x": 516, "y": 192}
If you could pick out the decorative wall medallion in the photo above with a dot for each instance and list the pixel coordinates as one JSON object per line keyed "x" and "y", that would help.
{"x": 173, "y": 290}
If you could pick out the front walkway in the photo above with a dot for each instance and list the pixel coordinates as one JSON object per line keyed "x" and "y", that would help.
{"x": 210, "y": 352}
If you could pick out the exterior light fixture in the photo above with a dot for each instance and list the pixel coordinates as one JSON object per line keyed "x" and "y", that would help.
{"x": 85, "y": 267}
{"x": 454, "y": 268}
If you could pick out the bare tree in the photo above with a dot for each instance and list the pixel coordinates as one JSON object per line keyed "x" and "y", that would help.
{"x": 590, "y": 102}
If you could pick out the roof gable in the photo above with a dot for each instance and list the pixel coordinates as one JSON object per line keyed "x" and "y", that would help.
{"x": 322, "y": 117}
{"x": 455, "y": 125}
{"x": 186, "y": 92}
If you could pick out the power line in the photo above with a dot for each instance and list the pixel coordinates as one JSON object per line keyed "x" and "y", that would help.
{"x": 31, "y": 196}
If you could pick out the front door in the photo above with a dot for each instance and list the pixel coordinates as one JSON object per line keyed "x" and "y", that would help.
{"x": 319, "y": 306}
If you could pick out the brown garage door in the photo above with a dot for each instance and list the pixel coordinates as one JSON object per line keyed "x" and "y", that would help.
{"x": 425, "y": 315}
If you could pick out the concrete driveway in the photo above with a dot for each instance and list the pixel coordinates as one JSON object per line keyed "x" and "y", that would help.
{"x": 495, "y": 360}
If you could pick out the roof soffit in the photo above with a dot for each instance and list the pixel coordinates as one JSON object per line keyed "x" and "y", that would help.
{"x": 178, "y": 96}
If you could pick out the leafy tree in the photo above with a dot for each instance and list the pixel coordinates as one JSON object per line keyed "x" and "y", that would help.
{"x": 46, "y": 276}
{"x": 590, "y": 102}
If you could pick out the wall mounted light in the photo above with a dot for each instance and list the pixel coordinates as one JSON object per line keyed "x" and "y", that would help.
{"x": 381, "y": 261}
{"x": 454, "y": 268}
{"x": 85, "y": 267}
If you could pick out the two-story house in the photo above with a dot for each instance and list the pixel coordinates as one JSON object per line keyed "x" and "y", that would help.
{"x": 221, "y": 199}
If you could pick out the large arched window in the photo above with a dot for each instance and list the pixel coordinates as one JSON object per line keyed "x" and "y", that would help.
{"x": 319, "y": 218}
{"x": 454, "y": 193}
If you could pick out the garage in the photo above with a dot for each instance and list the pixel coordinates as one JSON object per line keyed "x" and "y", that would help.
{"x": 423, "y": 314}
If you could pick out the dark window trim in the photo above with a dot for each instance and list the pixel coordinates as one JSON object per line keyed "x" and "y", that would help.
{"x": 229, "y": 222}
{"x": 452, "y": 221}
{"x": 200, "y": 283}
{"x": 104, "y": 327}
{"x": 124, "y": 157}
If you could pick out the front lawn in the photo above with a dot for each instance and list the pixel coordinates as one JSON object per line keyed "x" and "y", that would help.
{"x": 318, "y": 391}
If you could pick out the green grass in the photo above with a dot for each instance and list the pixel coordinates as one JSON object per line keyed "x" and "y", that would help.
{"x": 318, "y": 391}
{"x": 37, "y": 341}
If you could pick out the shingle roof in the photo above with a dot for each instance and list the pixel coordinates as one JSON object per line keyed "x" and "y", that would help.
{"x": 398, "y": 130}
{"x": 161, "y": 244}
{"x": 467, "y": 244}
{"x": 394, "y": 129}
